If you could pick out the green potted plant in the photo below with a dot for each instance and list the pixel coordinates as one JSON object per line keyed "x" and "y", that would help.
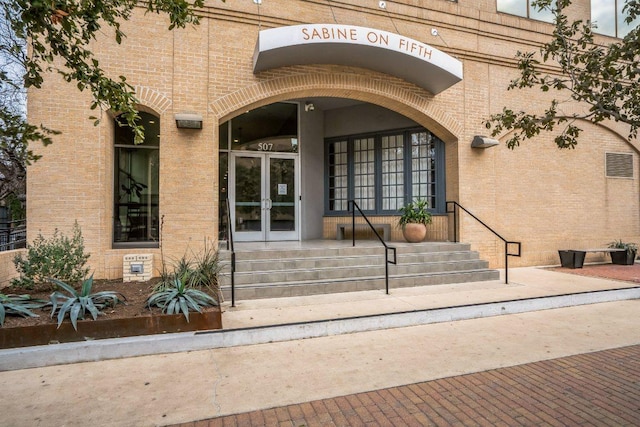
{"x": 413, "y": 220}
{"x": 623, "y": 258}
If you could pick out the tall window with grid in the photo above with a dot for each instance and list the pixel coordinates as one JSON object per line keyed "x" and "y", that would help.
{"x": 364, "y": 173}
{"x": 338, "y": 175}
{"x": 383, "y": 171}
{"x": 423, "y": 167}
{"x": 392, "y": 151}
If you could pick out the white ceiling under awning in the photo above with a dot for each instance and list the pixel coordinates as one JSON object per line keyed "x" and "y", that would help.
{"x": 349, "y": 45}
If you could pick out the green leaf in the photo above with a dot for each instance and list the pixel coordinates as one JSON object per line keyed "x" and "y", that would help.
{"x": 66, "y": 287}
{"x": 75, "y": 310}
{"x": 64, "y": 309}
{"x": 172, "y": 307}
{"x": 86, "y": 286}
{"x": 184, "y": 308}
{"x": 92, "y": 309}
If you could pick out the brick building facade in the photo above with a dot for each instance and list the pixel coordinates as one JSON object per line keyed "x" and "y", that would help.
{"x": 546, "y": 198}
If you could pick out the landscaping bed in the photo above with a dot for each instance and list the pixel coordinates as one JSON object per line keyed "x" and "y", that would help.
{"x": 129, "y": 319}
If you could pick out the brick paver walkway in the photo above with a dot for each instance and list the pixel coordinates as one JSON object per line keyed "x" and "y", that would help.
{"x": 595, "y": 389}
{"x": 629, "y": 273}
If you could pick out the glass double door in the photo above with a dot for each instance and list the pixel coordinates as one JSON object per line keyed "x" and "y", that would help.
{"x": 264, "y": 196}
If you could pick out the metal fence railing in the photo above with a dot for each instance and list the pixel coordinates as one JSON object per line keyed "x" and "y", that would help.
{"x": 13, "y": 235}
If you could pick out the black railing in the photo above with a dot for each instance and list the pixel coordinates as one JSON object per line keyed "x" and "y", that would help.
{"x": 350, "y": 208}
{"x": 507, "y": 243}
{"x": 233, "y": 255}
{"x": 13, "y": 235}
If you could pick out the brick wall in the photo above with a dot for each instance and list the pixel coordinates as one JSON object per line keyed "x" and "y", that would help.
{"x": 546, "y": 198}
{"x": 7, "y": 269}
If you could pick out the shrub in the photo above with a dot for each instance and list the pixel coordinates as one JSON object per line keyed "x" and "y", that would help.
{"x": 58, "y": 256}
{"x": 76, "y": 304}
{"x": 200, "y": 271}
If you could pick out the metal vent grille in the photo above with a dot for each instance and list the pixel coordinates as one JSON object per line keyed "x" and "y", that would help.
{"x": 619, "y": 165}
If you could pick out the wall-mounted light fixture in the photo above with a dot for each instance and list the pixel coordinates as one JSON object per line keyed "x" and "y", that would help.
{"x": 483, "y": 142}
{"x": 308, "y": 106}
{"x": 188, "y": 121}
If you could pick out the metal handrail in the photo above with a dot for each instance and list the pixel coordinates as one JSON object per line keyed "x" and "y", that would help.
{"x": 233, "y": 255}
{"x": 350, "y": 205}
{"x": 457, "y": 206}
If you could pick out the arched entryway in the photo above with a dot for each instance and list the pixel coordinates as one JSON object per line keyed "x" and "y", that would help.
{"x": 278, "y": 165}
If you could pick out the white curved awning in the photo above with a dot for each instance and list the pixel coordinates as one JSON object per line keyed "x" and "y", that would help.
{"x": 363, "y": 47}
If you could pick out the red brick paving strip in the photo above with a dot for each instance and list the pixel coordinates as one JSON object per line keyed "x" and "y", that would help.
{"x": 595, "y": 389}
{"x": 627, "y": 273}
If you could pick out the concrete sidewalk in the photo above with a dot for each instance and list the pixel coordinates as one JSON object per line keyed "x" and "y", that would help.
{"x": 185, "y": 386}
{"x": 524, "y": 283}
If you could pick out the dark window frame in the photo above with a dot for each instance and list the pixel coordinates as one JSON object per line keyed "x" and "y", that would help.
{"x": 118, "y": 227}
{"x": 439, "y": 159}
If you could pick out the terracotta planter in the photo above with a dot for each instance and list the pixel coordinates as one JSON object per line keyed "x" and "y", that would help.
{"x": 414, "y": 233}
{"x": 109, "y": 328}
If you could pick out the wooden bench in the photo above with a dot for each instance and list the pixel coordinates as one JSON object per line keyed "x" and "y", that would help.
{"x": 574, "y": 258}
{"x": 385, "y": 228}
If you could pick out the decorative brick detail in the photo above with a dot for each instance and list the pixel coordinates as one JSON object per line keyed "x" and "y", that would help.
{"x": 153, "y": 99}
{"x": 365, "y": 86}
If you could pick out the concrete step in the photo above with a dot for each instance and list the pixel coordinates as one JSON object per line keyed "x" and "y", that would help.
{"x": 341, "y": 251}
{"x": 350, "y": 272}
{"x": 327, "y": 267}
{"x": 327, "y": 286}
{"x": 264, "y": 265}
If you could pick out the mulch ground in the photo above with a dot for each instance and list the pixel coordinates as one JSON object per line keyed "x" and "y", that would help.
{"x": 135, "y": 294}
{"x": 627, "y": 273}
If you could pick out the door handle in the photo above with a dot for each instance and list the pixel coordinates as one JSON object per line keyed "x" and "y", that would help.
{"x": 269, "y": 204}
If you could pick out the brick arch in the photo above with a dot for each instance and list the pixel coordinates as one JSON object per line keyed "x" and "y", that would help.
{"x": 419, "y": 107}
{"x": 152, "y": 99}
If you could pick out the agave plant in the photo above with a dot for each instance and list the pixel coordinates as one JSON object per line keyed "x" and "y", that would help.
{"x": 199, "y": 271}
{"x": 76, "y": 304}
{"x": 177, "y": 297}
{"x": 19, "y": 305}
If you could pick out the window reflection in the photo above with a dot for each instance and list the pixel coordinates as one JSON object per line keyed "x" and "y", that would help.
{"x": 524, "y": 8}
{"x": 136, "y": 176}
{"x": 609, "y": 19}
{"x": 383, "y": 171}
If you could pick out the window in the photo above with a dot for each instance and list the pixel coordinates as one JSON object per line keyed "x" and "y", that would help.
{"x": 525, "y": 9}
{"x": 136, "y": 175}
{"x": 383, "y": 171}
{"x": 609, "y": 19}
